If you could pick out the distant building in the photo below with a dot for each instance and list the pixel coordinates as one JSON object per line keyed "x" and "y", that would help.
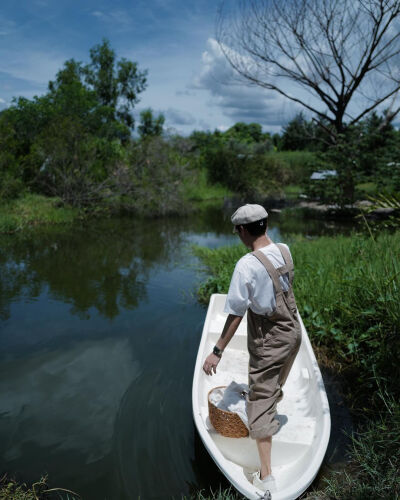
{"x": 323, "y": 174}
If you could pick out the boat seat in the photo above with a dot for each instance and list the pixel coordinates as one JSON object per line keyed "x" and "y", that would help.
{"x": 289, "y": 443}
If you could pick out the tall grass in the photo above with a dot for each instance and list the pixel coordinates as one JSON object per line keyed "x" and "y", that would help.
{"x": 196, "y": 188}
{"x": 32, "y": 210}
{"x": 347, "y": 290}
{"x": 375, "y": 453}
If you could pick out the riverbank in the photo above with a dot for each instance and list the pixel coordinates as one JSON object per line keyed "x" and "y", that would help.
{"x": 197, "y": 194}
{"x": 347, "y": 293}
{"x": 33, "y": 209}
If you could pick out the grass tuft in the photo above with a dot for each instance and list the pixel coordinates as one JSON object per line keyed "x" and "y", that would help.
{"x": 198, "y": 189}
{"x": 32, "y": 210}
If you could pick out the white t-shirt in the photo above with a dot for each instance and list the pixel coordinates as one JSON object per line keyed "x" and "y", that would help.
{"x": 251, "y": 285}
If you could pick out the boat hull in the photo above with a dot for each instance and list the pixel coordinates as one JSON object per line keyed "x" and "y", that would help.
{"x": 300, "y": 445}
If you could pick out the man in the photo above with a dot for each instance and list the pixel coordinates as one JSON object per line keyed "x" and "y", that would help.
{"x": 261, "y": 284}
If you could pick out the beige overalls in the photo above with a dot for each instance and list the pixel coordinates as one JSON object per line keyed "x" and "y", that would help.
{"x": 273, "y": 342}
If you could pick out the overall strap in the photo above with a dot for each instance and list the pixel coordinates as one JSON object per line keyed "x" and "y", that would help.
{"x": 288, "y": 261}
{"x": 270, "y": 270}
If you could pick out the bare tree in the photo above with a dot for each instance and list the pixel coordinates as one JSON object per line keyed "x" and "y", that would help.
{"x": 337, "y": 58}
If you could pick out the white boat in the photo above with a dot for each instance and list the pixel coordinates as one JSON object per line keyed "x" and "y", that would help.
{"x": 299, "y": 446}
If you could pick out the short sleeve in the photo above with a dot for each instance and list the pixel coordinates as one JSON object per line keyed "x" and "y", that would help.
{"x": 238, "y": 298}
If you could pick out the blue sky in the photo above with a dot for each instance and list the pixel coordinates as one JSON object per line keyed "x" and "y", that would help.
{"x": 189, "y": 79}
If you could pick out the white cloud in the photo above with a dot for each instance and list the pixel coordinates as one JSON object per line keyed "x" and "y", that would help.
{"x": 237, "y": 99}
{"x": 179, "y": 117}
{"x": 185, "y": 93}
{"x": 2, "y": 101}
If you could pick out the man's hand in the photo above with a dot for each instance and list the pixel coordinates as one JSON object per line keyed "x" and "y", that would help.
{"x": 231, "y": 324}
{"x": 210, "y": 364}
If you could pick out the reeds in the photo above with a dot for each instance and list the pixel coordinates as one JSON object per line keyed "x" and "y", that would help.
{"x": 347, "y": 290}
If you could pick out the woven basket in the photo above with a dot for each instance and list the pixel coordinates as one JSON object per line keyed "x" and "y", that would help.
{"x": 225, "y": 422}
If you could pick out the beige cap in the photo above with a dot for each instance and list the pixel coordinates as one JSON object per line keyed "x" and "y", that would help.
{"x": 248, "y": 213}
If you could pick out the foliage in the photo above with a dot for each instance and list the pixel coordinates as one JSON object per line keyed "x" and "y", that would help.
{"x": 76, "y": 166}
{"x": 197, "y": 188}
{"x": 68, "y": 142}
{"x": 375, "y": 460}
{"x": 32, "y": 210}
{"x": 298, "y": 135}
{"x": 365, "y": 152}
{"x": 150, "y": 126}
{"x": 116, "y": 83}
{"x": 219, "y": 264}
{"x": 247, "y": 132}
{"x": 11, "y": 490}
{"x": 152, "y": 182}
{"x": 363, "y": 327}
{"x": 389, "y": 203}
{"x": 244, "y": 170}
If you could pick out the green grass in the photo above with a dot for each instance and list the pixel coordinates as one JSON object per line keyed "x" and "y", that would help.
{"x": 347, "y": 290}
{"x": 198, "y": 189}
{"x": 12, "y": 490}
{"x": 292, "y": 191}
{"x": 367, "y": 188}
{"x": 375, "y": 460}
{"x": 32, "y": 210}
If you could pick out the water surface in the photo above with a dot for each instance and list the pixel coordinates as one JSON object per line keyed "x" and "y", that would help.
{"x": 99, "y": 330}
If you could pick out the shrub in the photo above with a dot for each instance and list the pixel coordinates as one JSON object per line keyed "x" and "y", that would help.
{"x": 155, "y": 176}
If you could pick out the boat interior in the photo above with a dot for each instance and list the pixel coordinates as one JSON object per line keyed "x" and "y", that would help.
{"x": 300, "y": 412}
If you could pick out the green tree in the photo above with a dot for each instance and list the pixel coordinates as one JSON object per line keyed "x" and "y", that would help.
{"x": 298, "y": 134}
{"x": 68, "y": 140}
{"x": 150, "y": 125}
{"x": 117, "y": 83}
{"x": 246, "y": 132}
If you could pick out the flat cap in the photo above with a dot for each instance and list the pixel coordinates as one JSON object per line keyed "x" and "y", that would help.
{"x": 248, "y": 213}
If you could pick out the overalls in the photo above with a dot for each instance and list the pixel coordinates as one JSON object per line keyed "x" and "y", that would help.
{"x": 273, "y": 342}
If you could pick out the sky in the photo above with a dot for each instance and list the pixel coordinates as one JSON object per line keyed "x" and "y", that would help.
{"x": 189, "y": 80}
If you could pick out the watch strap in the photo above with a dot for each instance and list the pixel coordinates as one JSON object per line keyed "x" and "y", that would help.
{"x": 217, "y": 351}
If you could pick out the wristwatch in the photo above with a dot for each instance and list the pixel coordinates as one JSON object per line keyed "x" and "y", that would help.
{"x": 217, "y": 351}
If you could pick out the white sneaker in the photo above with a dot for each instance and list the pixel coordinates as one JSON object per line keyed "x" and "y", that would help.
{"x": 268, "y": 483}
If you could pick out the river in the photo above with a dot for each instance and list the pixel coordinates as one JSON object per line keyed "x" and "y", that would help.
{"x": 99, "y": 330}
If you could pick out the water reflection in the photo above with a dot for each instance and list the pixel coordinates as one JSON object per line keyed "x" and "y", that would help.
{"x": 103, "y": 266}
{"x": 68, "y": 400}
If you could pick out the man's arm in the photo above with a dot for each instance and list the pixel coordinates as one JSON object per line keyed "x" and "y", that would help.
{"x": 231, "y": 325}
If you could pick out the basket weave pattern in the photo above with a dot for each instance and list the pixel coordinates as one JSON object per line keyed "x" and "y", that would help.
{"x": 225, "y": 422}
